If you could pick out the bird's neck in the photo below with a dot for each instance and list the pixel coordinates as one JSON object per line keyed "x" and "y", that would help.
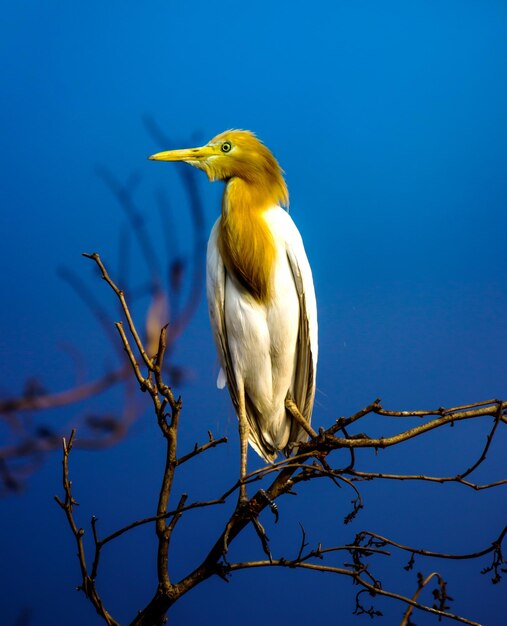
{"x": 245, "y": 240}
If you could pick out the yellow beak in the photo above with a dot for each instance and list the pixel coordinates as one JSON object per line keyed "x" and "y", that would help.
{"x": 188, "y": 154}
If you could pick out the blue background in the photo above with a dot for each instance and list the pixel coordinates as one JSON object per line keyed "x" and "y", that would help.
{"x": 389, "y": 120}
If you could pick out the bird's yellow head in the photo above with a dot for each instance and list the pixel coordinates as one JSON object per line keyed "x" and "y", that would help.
{"x": 235, "y": 154}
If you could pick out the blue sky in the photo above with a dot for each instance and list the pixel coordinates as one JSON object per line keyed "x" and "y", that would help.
{"x": 389, "y": 121}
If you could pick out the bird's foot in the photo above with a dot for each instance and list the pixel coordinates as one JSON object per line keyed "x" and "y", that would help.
{"x": 271, "y": 503}
{"x": 245, "y": 510}
{"x": 242, "y": 510}
{"x": 226, "y": 538}
{"x": 261, "y": 533}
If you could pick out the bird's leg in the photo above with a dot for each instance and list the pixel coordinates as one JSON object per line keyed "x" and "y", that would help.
{"x": 243, "y": 443}
{"x": 291, "y": 406}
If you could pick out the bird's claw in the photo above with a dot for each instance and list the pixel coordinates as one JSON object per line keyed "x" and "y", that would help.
{"x": 261, "y": 533}
{"x": 243, "y": 510}
{"x": 271, "y": 503}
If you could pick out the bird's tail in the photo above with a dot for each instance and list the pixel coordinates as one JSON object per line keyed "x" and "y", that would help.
{"x": 257, "y": 439}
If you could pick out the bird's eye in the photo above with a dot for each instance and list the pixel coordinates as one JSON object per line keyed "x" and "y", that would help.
{"x": 226, "y": 146}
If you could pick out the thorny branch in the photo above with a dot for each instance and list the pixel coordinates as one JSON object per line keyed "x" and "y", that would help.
{"x": 310, "y": 462}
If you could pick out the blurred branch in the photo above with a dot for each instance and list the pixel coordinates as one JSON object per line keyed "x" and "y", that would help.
{"x": 63, "y": 398}
{"x": 24, "y": 618}
{"x": 28, "y": 441}
{"x": 191, "y": 185}
{"x": 124, "y": 195}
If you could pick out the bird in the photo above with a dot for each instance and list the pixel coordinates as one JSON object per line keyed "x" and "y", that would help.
{"x": 261, "y": 296}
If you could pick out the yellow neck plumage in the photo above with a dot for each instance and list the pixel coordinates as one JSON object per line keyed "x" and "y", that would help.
{"x": 245, "y": 241}
{"x": 254, "y": 184}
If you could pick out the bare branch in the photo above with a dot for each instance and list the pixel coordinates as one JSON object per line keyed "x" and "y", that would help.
{"x": 327, "y": 441}
{"x": 310, "y": 462}
{"x": 441, "y": 555}
{"x": 88, "y": 584}
{"x": 489, "y": 439}
{"x": 435, "y": 479}
{"x": 212, "y": 443}
{"x": 422, "y": 583}
{"x": 121, "y": 296}
{"x": 154, "y": 518}
{"x": 231, "y": 567}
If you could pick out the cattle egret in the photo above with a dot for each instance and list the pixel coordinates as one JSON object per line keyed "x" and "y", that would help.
{"x": 261, "y": 297}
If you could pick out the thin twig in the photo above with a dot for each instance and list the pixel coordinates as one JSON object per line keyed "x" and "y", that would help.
{"x": 355, "y": 576}
{"x": 441, "y": 555}
{"x": 121, "y": 296}
{"x": 422, "y": 584}
{"x": 422, "y": 477}
{"x": 212, "y": 443}
{"x": 88, "y": 584}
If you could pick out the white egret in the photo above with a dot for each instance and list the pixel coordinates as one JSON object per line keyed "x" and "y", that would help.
{"x": 261, "y": 296}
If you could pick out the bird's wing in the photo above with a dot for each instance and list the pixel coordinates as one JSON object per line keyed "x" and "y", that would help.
{"x": 215, "y": 291}
{"x": 303, "y": 386}
{"x": 216, "y": 277}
